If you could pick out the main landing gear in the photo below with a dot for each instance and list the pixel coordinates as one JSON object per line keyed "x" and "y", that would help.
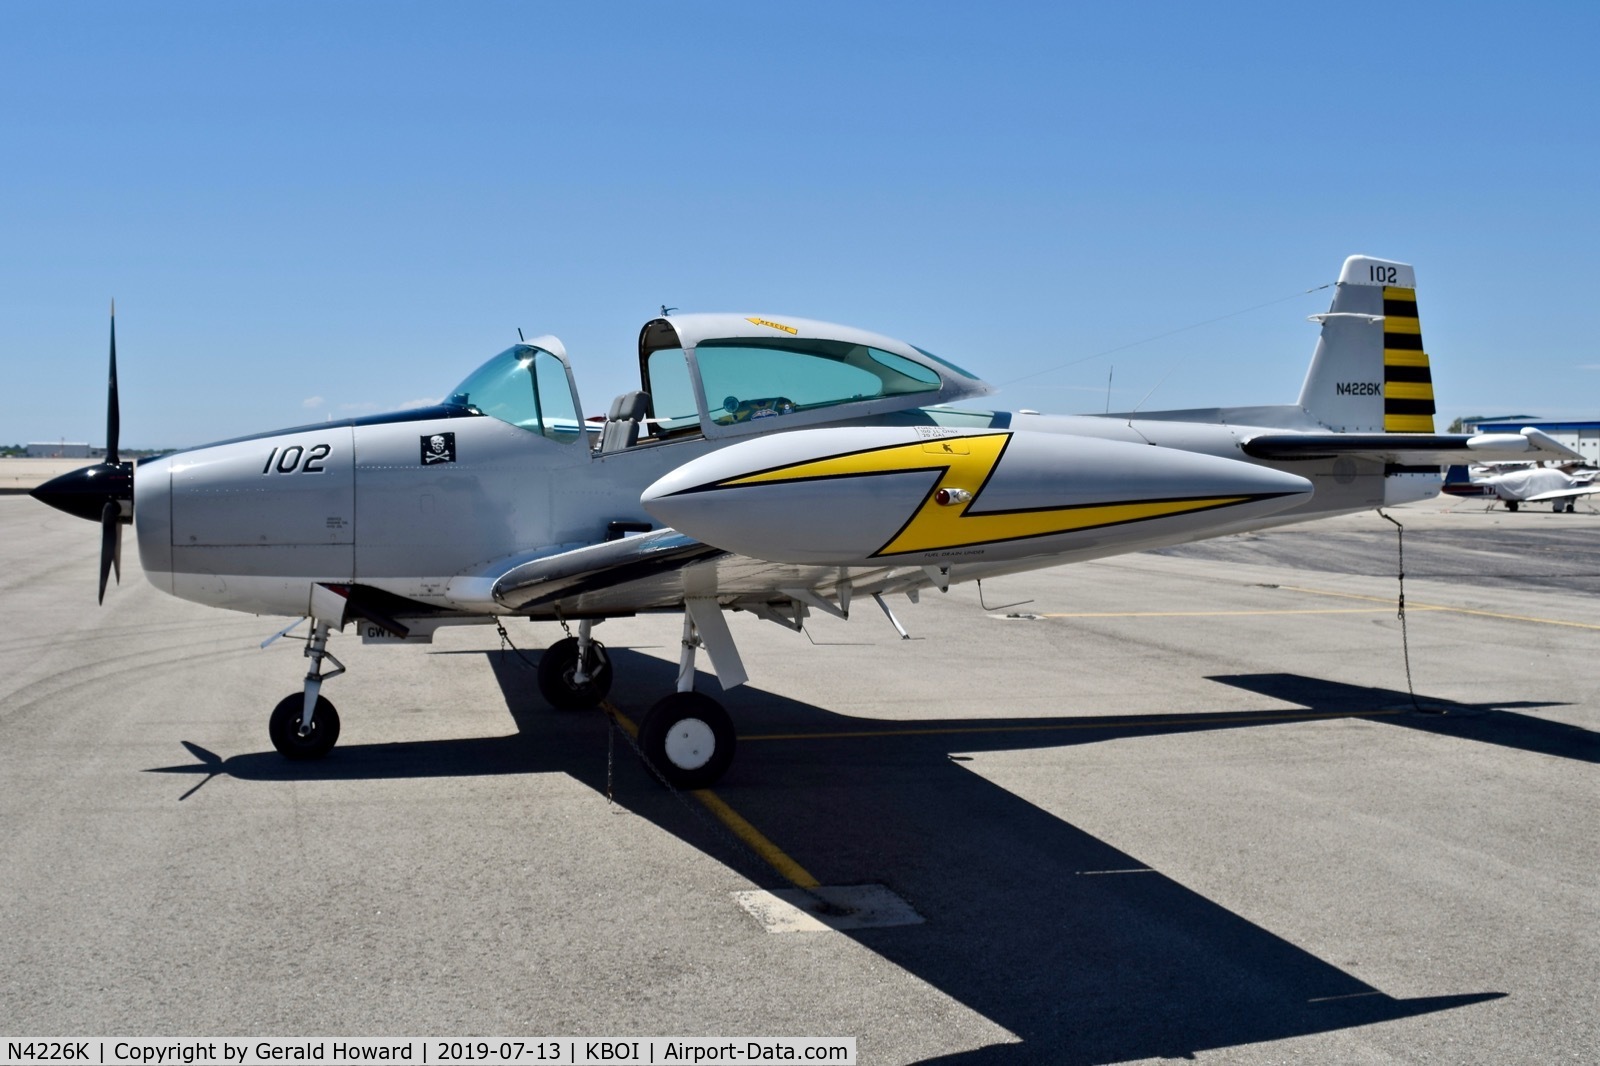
{"x": 1556, "y": 507}
{"x": 575, "y": 673}
{"x": 305, "y": 725}
{"x": 687, "y": 738}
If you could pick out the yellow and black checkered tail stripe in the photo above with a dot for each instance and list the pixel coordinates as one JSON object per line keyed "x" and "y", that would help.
{"x": 1407, "y": 382}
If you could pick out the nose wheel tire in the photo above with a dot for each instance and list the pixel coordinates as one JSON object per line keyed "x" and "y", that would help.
{"x": 557, "y": 666}
{"x": 284, "y": 728}
{"x": 689, "y": 739}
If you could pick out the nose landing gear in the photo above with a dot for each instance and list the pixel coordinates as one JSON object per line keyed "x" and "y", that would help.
{"x": 305, "y": 725}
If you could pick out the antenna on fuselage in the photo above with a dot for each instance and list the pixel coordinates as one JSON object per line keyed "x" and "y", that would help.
{"x": 520, "y": 337}
{"x": 667, "y": 311}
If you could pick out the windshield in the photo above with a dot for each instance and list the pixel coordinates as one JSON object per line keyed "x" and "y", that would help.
{"x": 750, "y": 378}
{"x": 527, "y": 387}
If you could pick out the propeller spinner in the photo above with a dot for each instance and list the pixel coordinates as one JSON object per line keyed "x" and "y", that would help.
{"x": 102, "y": 492}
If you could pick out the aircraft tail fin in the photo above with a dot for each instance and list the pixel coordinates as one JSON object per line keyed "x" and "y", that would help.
{"x": 1370, "y": 373}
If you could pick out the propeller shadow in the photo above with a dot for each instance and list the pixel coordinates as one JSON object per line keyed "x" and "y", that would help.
{"x": 1082, "y": 951}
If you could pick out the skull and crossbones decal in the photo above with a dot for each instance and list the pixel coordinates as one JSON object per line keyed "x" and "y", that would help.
{"x": 438, "y": 448}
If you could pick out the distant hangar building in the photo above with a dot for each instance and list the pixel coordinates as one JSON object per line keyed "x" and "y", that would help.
{"x": 58, "y": 450}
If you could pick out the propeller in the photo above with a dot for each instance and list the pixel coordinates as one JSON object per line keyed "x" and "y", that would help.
{"x": 99, "y": 492}
{"x": 110, "y": 544}
{"x": 111, "y": 513}
{"x": 113, "y": 409}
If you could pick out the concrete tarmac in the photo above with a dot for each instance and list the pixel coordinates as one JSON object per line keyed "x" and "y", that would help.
{"x": 19, "y": 476}
{"x": 1177, "y": 805}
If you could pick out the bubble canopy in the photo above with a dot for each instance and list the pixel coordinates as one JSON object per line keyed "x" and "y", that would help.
{"x": 528, "y": 385}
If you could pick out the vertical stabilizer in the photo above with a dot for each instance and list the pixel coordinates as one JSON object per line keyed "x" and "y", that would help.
{"x": 1370, "y": 373}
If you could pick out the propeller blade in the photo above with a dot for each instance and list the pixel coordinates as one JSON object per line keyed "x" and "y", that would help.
{"x": 113, "y": 414}
{"x": 99, "y": 491}
{"x": 110, "y": 544}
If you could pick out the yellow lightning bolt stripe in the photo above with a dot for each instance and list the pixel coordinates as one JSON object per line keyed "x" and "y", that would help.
{"x": 978, "y": 454}
{"x": 966, "y": 463}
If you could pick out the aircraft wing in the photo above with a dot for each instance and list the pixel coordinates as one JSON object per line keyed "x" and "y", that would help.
{"x": 638, "y": 560}
{"x": 659, "y": 570}
{"x": 1412, "y": 449}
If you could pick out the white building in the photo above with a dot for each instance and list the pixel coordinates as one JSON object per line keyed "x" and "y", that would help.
{"x": 58, "y": 450}
{"x": 1581, "y": 437}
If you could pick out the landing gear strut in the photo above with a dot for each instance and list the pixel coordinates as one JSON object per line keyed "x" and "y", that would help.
{"x": 687, "y": 737}
{"x": 305, "y": 725}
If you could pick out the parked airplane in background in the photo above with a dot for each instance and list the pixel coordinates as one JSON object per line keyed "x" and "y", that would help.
{"x": 772, "y": 465}
{"x": 1538, "y": 484}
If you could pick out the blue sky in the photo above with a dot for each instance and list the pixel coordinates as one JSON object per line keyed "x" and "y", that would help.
{"x": 315, "y": 210}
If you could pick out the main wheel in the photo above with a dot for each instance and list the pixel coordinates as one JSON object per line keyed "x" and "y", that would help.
{"x": 689, "y": 739}
{"x": 284, "y": 728}
{"x": 1511, "y": 505}
{"x": 557, "y": 666}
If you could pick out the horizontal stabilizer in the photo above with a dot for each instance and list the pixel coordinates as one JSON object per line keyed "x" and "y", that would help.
{"x": 1411, "y": 449}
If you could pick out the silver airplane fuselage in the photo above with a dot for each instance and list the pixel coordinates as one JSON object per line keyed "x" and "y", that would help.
{"x": 772, "y": 465}
{"x": 252, "y": 525}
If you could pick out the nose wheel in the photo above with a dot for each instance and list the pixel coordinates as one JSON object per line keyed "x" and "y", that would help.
{"x": 305, "y": 725}
{"x": 312, "y": 742}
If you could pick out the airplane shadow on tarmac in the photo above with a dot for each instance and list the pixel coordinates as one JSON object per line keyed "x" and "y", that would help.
{"x": 1082, "y": 951}
{"x": 1487, "y": 723}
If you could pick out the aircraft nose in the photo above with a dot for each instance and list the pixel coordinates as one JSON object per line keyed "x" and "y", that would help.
{"x": 86, "y": 491}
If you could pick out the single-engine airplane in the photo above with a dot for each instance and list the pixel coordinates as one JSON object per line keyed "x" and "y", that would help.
{"x": 1538, "y": 484}
{"x": 773, "y": 465}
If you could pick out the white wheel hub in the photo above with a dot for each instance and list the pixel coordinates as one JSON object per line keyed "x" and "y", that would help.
{"x": 690, "y": 743}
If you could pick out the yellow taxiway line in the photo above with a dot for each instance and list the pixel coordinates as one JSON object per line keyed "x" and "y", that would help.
{"x": 1217, "y": 614}
{"x": 773, "y": 855}
{"x": 735, "y": 822}
{"x": 800, "y": 877}
{"x": 1390, "y": 604}
{"x": 1413, "y": 606}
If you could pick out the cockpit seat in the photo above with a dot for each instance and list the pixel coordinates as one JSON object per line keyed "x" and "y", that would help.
{"x": 621, "y": 428}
